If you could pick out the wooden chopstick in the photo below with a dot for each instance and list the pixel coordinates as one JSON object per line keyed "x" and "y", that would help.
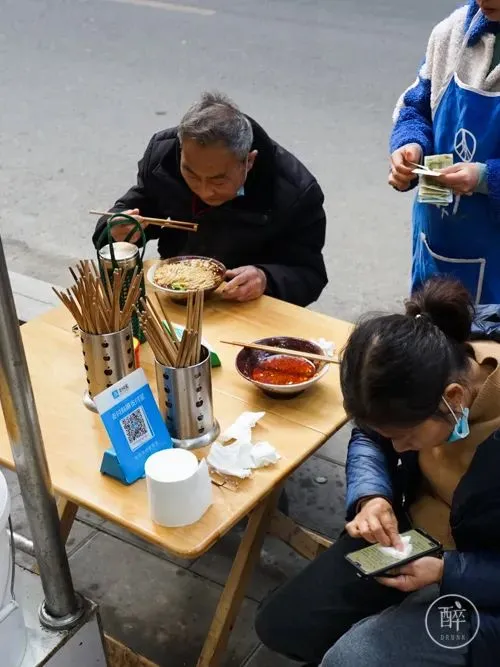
{"x": 160, "y": 332}
{"x": 284, "y": 351}
{"x": 160, "y": 222}
{"x": 95, "y": 303}
{"x": 174, "y": 336}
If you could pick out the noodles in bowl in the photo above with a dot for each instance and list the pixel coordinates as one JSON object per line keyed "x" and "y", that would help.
{"x": 179, "y": 276}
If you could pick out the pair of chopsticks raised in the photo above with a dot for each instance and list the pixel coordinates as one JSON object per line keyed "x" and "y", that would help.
{"x": 96, "y": 303}
{"x": 159, "y": 222}
{"x": 284, "y": 351}
{"x": 167, "y": 348}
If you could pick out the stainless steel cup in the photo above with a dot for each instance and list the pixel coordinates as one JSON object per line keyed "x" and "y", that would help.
{"x": 185, "y": 401}
{"x": 126, "y": 256}
{"x": 107, "y": 358}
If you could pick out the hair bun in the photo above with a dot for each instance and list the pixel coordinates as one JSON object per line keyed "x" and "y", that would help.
{"x": 447, "y": 304}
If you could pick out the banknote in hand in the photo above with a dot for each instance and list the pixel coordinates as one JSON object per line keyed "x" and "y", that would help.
{"x": 429, "y": 191}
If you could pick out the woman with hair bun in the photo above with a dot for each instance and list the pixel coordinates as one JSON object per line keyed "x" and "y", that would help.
{"x": 425, "y": 453}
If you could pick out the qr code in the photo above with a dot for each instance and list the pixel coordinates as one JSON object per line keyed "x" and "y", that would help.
{"x": 136, "y": 428}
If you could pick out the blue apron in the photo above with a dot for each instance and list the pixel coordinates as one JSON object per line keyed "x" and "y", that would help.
{"x": 462, "y": 239}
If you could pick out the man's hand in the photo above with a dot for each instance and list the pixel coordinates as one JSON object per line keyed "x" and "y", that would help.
{"x": 120, "y": 232}
{"x": 415, "y": 575}
{"x": 245, "y": 283}
{"x": 401, "y": 174}
{"x": 462, "y": 178}
{"x": 376, "y": 522}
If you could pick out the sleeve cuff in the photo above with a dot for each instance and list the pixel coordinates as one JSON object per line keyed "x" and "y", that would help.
{"x": 482, "y": 185}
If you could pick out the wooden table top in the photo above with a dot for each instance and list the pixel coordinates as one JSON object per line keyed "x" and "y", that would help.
{"x": 75, "y": 439}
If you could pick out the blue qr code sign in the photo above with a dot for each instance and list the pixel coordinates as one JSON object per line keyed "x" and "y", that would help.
{"x": 136, "y": 428}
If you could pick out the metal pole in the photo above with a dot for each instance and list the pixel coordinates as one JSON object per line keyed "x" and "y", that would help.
{"x": 62, "y": 607}
{"x": 23, "y": 544}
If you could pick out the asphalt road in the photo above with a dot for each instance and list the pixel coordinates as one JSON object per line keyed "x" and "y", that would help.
{"x": 84, "y": 84}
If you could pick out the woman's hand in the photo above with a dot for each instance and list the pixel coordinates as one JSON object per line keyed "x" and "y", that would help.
{"x": 462, "y": 178}
{"x": 401, "y": 174}
{"x": 120, "y": 232}
{"x": 376, "y": 522}
{"x": 415, "y": 575}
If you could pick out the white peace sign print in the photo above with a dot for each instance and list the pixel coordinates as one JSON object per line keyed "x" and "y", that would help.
{"x": 465, "y": 145}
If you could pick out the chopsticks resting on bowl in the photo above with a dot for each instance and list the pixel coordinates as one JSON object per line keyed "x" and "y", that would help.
{"x": 167, "y": 348}
{"x": 285, "y": 351}
{"x": 96, "y": 303}
{"x": 159, "y": 222}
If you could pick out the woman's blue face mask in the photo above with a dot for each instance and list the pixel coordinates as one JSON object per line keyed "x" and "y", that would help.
{"x": 461, "y": 429}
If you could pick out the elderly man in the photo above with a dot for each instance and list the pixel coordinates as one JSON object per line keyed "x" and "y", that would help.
{"x": 260, "y": 211}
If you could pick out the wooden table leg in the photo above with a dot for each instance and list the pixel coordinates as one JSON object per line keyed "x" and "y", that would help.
{"x": 234, "y": 590}
{"x": 67, "y": 514}
{"x": 305, "y": 542}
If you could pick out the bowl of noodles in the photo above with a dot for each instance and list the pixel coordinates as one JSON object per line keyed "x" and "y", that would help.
{"x": 180, "y": 276}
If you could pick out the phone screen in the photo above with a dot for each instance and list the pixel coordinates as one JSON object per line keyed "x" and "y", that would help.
{"x": 376, "y": 558}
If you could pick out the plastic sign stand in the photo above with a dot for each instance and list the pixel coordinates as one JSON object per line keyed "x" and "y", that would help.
{"x": 134, "y": 425}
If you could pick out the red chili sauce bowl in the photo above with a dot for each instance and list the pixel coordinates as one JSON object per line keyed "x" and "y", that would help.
{"x": 278, "y": 375}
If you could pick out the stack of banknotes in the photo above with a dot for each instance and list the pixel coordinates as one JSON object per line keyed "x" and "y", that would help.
{"x": 429, "y": 191}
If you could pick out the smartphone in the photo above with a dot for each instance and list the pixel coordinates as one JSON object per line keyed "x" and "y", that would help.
{"x": 373, "y": 561}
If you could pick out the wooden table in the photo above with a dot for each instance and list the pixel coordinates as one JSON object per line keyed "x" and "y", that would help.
{"x": 75, "y": 440}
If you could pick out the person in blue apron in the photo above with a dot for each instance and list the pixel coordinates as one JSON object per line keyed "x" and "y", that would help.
{"x": 454, "y": 107}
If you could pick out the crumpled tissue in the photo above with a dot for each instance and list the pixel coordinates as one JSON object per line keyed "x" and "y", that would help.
{"x": 395, "y": 553}
{"x": 327, "y": 346}
{"x": 241, "y": 430}
{"x": 242, "y": 456}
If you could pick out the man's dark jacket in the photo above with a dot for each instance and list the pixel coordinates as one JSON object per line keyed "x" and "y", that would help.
{"x": 278, "y": 224}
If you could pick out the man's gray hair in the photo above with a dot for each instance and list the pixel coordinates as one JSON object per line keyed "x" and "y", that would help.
{"x": 216, "y": 119}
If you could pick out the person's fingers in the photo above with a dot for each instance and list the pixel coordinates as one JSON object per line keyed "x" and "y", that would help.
{"x": 398, "y": 182}
{"x": 399, "y": 167}
{"x": 401, "y": 182}
{"x": 459, "y": 177}
{"x": 120, "y": 232}
{"x": 413, "y": 154}
{"x": 397, "y": 159}
{"x": 399, "y": 163}
{"x": 452, "y": 180}
{"x": 232, "y": 273}
{"x": 378, "y": 532}
{"x": 235, "y": 288}
{"x": 390, "y": 525}
{"x": 365, "y": 531}
{"x": 399, "y": 582}
{"x": 451, "y": 170}
{"x": 245, "y": 293}
{"x": 352, "y": 528}
{"x": 238, "y": 280}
